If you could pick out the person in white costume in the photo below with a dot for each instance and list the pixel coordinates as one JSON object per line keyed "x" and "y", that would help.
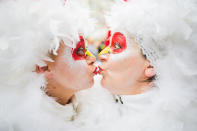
{"x": 153, "y": 44}
{"x": 44, "y": 62}
{"x": 150, "y": 65}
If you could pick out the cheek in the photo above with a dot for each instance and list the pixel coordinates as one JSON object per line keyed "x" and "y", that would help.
{"x": 74, "y": 73}
{"x": 120, "y": 62}
{"x": 120, "y": 56}
{"x": 113, "y": 81}
{"x": 73, "y": 64}
{"x": 75, "y": 77}
{"x": 124, "y": 70}
{"x": 129, "y": 60}
{"x": 74, "y": 68}
{"x": 78, "y": 71}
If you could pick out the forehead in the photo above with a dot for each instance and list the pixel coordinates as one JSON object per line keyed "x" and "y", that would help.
{"x": 131, "y": 51}
{"x": 133, "y": 43}
{"x": 97, "y": 35}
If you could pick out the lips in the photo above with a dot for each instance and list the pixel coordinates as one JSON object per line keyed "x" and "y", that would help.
{"x": 98, "y": 70}
{"x": 95, "y": 71}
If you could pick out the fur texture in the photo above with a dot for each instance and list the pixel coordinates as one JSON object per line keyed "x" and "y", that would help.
{"x": 29, "y": 29}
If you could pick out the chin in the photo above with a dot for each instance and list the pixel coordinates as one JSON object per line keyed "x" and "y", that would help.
{"x": 104, "y": 83}
{"x": 90, "y": 83}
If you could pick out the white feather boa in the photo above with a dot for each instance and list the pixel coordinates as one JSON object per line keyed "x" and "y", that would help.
{"x": 170, "y": 28}
{"x": 29, "y": 29}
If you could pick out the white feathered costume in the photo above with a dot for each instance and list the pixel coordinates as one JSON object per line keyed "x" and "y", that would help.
{"x": 167, "y": 26}
{"x": 28, "y": 30}
{"x": 166, "y": 31}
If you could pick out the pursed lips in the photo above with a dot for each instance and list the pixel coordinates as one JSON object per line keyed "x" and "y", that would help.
{"x": 98, "y": 70}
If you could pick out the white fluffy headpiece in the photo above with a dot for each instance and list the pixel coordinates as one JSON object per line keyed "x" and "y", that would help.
{"x": 29, "y": 29}
{"x": 155, "y": 25}
{"x": 166, "y": 29}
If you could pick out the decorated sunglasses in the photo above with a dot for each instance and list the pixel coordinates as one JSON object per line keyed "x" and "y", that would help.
{"x": 80, "y": 52}
{"x": 114, "y": 44}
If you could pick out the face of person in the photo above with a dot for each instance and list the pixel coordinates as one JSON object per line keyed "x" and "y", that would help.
{"x": 71, "y": 68}
{"x": 125, "y": 67}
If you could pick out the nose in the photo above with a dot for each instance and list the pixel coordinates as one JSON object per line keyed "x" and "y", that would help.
{"x": 104, "y": 58}
{"x": 104, "y": 54}
{"x": 106, "y": 50}
{"x": 90, "y": 60}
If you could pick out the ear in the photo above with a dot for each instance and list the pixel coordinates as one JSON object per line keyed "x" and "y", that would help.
{"x": 149, "y": 71}
{"x": 44, "y": 70}
{"x": 41, "y": 70}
